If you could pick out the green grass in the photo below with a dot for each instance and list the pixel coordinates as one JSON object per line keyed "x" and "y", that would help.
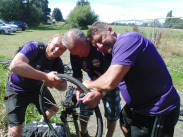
{"x": 9, "y": 43}
{"x": 32, "y": 114}
{"x": 177, "y": 78}
{"x": 3, "y": 81}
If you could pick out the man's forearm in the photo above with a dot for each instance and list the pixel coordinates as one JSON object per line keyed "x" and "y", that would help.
{"x": 25, "y": 70}
{"x": 110, "y": 79}
{"x": 99, "y": 85}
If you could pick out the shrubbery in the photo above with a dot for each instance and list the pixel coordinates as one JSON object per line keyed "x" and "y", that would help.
{"x": 81, "y": 16}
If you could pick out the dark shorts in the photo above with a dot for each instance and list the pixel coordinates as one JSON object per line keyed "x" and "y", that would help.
{"x": 16, "y": 104}
{"x": 147, "y": 126}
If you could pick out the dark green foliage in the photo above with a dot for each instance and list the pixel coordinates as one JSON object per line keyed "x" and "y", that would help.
{"x": 32, "y": 12}
{"x": 82, "y": 3}
{"x": 173, "y": 22}
{"x": 81, "y": 16}
{"x": 169, "y": 14}
{"x": 57, "y": 14}
{"x": 8, "y": 9}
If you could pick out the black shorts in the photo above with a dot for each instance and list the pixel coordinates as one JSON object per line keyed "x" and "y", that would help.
{"x": 16, "y": 104}
{"x": 148, "y": 126}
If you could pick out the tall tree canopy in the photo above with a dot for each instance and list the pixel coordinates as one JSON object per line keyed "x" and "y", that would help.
{"x": 32, "y": 12}
{"x": 57, "y": 14}
{"x": 169, "y": 14}
{"x": 82, "y": 3}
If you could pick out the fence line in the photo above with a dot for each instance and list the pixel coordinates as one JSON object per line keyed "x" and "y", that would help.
{"x": 154, "y": 23}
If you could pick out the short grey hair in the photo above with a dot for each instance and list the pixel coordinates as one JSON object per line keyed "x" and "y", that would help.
{"x": 71, "y": 36}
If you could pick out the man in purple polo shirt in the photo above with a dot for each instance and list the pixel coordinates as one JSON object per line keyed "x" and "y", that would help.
{"x": 152, "y": 102}
{"x": 28, "y": 69}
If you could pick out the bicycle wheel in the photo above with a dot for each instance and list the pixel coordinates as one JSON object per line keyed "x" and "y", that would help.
{"x": 72, "y": 118}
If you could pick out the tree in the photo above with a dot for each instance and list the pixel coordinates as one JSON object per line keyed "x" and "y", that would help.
{"x": 57, "y": 14}
{"x": 157, "y": 23}
{"x": 46, "y": 11}
{"x": 42, "y": 6}
{"x": 173, "y": 22}
{"x": 81, "y": 16}
{"x": 82, "y": 3}
{"x": 8, "y": 9}
{"x": 32, "y": 12}
{"x": 169, "y": 14}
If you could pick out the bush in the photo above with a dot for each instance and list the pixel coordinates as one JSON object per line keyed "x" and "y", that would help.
{"x": 81, "y": 17}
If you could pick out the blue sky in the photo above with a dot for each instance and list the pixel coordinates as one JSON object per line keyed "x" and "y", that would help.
{"x": 113, "y": 10}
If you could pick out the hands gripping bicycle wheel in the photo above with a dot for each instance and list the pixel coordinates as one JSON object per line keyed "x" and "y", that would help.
{"x": 68, "y": 113}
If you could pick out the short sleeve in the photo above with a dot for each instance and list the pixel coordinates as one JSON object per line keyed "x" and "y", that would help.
{"x": 125, "y": 50}
{"x": 30, "y": 50}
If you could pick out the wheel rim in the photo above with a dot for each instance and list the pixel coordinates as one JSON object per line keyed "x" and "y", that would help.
{"x": 93, "y": 124}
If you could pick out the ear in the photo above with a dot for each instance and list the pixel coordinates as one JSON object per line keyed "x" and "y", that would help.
{"x": 49, "y": 42}
{"x": 109, "y": 29}
{"x": 87, "y": 39}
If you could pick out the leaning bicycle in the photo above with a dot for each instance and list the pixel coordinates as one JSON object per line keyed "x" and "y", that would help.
{"x": 68, "y": 113}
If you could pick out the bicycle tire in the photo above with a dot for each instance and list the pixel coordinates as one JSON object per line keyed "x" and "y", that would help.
{"x": 76, "y": 82}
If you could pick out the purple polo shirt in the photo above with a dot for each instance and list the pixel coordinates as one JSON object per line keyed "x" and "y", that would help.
{"x": 149, "y": 89}
{"x": 23, "y": 84}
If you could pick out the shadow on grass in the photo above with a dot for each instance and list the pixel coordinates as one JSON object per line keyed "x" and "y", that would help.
{"x": 28, "y": 31}
{"x": 48, "y": 27}
{"x": 18, "y": 32}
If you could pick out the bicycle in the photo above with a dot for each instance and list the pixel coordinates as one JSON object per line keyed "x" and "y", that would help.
{"x": 5, "y": 63}
{"x": 69, "y": 110}
{"x": 67, "y": 69}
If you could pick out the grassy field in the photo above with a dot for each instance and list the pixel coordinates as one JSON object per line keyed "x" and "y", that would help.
{"x": 170, "y": 48}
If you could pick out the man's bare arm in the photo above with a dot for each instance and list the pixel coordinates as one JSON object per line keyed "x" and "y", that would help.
{"x": 110, "y": 79}
{"x": 20, "y": 66}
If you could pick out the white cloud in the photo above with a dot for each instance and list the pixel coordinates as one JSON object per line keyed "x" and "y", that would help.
{"x": 65, "y": 7}
{"x": 107, "y": 13}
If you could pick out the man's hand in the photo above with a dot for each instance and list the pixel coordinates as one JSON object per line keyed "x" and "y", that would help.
{"x": 92, "y": 98}
{"x": 52, "y": 79}
{"x": 86, "y": 82}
